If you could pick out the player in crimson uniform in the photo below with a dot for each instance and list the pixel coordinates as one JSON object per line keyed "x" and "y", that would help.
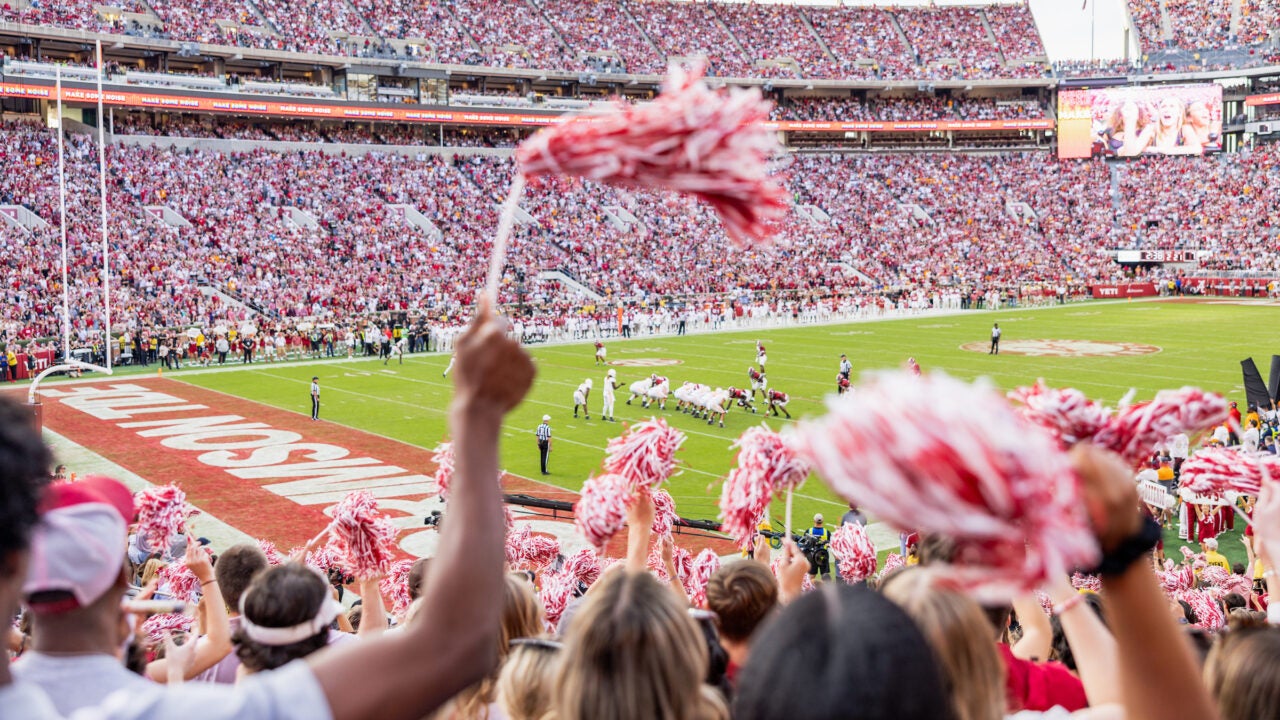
{"x": 600, "y": 352}
{"x": 761, "y": 358}
{"x": 778, "y": 401}
{"x": 758, "y": 382}
{"x": 842, "y": 384}
{"x": 740, "y": 396}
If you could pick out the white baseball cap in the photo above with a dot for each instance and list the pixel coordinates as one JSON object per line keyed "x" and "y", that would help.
{"x": 545, "y": 418}
{"x": 76, "y": 548}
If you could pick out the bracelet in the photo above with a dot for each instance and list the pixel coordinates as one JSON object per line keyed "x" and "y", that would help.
{"x": 1130, "y": 549}
{"x": 1068, "y": 604}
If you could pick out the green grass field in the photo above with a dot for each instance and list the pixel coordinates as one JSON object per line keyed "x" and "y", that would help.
{"x": 1200, "y": 343}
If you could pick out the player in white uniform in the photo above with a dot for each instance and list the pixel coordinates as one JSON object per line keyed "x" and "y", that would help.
{"x": 452, "y": 359}
{"x": 580, "y": 398}
{"x": 397, "y": 349}
{"x": 350, "y": 341}
{"x": 610, "y": 384}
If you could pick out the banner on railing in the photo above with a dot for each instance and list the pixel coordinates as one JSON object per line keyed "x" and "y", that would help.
{"x": 1124, "y": 291}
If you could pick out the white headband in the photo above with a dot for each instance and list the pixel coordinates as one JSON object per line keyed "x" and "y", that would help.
{"x": 275, "y": 636}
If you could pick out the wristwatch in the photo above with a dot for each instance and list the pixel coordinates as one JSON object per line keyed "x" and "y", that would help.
{"x": 1131, "y": 549}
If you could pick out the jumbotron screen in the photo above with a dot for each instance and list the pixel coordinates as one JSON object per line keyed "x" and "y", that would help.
{"x": 1132, "y": 121}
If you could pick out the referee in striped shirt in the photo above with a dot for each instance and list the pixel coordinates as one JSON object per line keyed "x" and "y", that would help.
{"x": 544, "y": 441}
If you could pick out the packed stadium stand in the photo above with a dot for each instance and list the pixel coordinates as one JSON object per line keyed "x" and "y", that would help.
{"x": 387, "y": 215}
{"x": 612, "y": 36}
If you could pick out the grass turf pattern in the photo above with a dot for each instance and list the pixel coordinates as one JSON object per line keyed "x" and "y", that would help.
{"x": 1200, "y": 344}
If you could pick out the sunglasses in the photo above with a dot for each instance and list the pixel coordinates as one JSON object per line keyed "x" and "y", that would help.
{"x": 537, "y": 643}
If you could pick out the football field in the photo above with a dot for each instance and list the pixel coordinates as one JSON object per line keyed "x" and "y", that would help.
{"x": 1104, "y": 349}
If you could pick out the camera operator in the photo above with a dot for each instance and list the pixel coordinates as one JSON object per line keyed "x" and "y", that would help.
{"x": 814, "y": 545}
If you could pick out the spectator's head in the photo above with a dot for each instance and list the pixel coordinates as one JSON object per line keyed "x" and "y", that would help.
{"x": 742, "y": 595}
{"x": 826, "y": 637}
{"x": 960, "y": 634}
{"x": 632, "y": 651}
{"x": 525, "y": 681}
{"x": 24, "y": 471}
{"x": 417, "y": 574}
{"x": 1243, "y": 673}
{"x": 521, "y": 618}
{"x": 1209, "y": 545}
{"x": 235, "y": 570}
{"x": 77, "y": 576}
{"x": 284, "y": 615}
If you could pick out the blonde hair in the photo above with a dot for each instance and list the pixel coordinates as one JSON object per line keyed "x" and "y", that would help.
{"x": 1243, "y": 673}
{"x": 525, "y": 681}
{"x": 960, "y": 635}
{"x": 633, "y": 652}
{"x": 521, "y": 618}
{"x": 150, "y": 569}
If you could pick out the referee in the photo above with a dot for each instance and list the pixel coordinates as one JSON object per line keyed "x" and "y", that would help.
{"x": 544, "y": 441}
{"x": 315, "y": 398}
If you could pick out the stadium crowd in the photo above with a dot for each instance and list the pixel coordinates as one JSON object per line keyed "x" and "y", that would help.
{"x": 312, "y": 235}
{"x": 638, "y": 36}
{"x": 906, "y": 109}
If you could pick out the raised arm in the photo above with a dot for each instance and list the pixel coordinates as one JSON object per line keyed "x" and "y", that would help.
{"x": 1037, "y": 634}
{"x": 216, "y": 644}
{"x": 405, "y": 676}
{"x": 1158, "y": 675}
{"x": 1094, "y": 648}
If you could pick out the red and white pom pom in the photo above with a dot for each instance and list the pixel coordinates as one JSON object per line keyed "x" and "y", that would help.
{"x": 158, "y": 626}
{"x": 443, "y": 458}
{"x": 704, "y": 566}
{"x": 180, "y": 582}
{"x": 1214, "y": 575}
{"x": 683, "y": 560}
{"x": 556, "y": 592}
{"x": 854, "y": 550}
{"x": 645, "y": 454}
{"x": 1209, "y": 615}
{"x": 362, "y": 536}
{"x": 766, "y": 466}
{"x": 162, "y": 514}
{"x": 1066, "y": 413}
{"x": 655, "y": 565}
{"x": 1213, "y": 472}
{"x": 583, "y": 566}
{"x": 269, "y": 549}
{"x": 1084, "y": 581}
{"x": 601, "y": 510}
{"x": 1136, "y": 430}
{"x": 892, "y": 561}
{"x": 664, "y": 513}
{"x": 322, "y": 559}
{"x": 526, "y": 549}
{"x": 395, "y": 586}
{"x": 962, "y": 464}
{"x": 1238, "y": 584}
{"x": 689, "y": 139}
{"x": 1176, "y": 579}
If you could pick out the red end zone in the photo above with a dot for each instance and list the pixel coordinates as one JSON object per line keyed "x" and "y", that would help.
{"x": 270, "y": 473}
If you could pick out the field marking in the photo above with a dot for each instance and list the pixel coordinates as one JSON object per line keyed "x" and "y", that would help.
{"x": 84, "y": 461}
{"x": 506, "y": 426}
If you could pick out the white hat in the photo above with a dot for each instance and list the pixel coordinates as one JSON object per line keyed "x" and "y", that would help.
{"x": 588, "y": 383}
{"x": 546, "y": 418}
